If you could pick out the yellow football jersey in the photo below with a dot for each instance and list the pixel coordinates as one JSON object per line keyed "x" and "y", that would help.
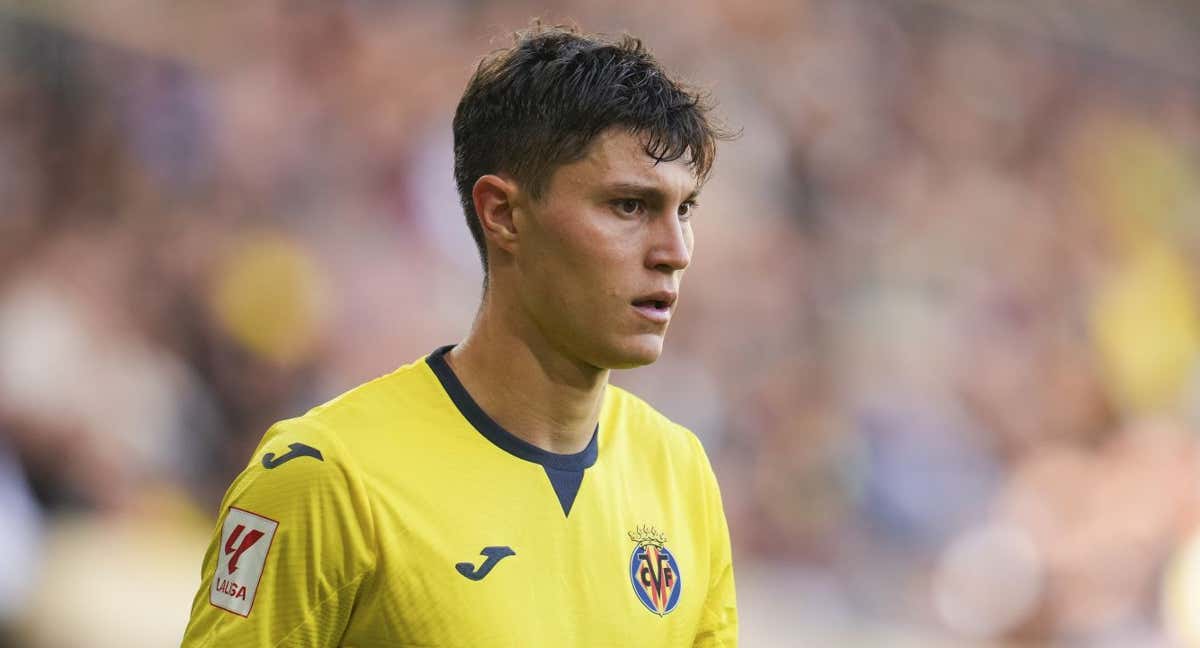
{"x": 400, "y": 514}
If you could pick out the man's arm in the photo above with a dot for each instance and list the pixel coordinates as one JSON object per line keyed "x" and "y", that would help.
{"x": 293, "y": 545}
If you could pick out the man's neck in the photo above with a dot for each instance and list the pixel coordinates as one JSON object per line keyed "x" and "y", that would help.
{"x": 533, "y": 390}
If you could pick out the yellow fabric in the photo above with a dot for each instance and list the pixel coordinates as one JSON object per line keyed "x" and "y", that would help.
{"x": 369, "y": 536}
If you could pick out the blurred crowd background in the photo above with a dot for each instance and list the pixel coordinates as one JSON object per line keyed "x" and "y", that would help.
{"x": 940, "y": 336}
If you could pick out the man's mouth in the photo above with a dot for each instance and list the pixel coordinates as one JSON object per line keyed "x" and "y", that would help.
{"x": 655, "y": 307}
{"x": 656, "y": 304}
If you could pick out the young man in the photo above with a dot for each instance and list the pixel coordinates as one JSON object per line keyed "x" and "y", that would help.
{"x": 500, "y": 492}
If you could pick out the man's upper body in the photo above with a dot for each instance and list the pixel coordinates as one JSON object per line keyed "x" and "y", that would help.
{"x": 401, "y": 514}
{"x": 501, "y": 492}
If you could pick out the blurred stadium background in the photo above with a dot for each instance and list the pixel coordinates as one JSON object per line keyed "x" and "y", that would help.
{"x": 940, "y": 338}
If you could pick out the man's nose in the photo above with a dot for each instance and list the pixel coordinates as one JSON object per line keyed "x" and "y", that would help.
{"x": 671, "y": 250}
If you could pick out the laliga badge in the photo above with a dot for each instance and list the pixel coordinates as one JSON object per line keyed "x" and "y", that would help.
{"x": 245, "y": 541}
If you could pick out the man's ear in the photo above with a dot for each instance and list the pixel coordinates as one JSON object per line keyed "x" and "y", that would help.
{"x": 495, "y": 197}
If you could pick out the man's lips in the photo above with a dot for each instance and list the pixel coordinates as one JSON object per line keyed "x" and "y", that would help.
{"x": 656, "y": 306}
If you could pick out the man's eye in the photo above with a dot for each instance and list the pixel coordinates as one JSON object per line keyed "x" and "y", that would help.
{"x": 685, "y": 210}
{"x": 629, "y": 206}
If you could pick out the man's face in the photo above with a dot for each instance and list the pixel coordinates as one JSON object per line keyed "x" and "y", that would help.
{"x": 603, "y": 251}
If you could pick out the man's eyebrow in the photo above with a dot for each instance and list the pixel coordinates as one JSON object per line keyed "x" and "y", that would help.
{"x": 640, "y": 190}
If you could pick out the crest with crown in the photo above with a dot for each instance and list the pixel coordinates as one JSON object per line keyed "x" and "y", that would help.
{"x": 648, "y": 536}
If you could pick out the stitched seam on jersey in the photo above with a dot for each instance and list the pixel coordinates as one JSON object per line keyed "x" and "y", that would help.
{"x": 320, "y": 605}
{"x": 354, "y": 474}
{"x": 369, "y": 489}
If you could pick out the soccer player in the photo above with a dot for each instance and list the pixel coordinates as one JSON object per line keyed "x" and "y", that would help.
{"x": 499, "y": 492}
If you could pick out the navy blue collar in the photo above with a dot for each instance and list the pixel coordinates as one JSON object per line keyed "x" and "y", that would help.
{"x": 492, "y": 431}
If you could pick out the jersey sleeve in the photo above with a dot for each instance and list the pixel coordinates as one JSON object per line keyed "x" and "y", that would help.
{"x": 293, "y": 546}
{"x": 718, "y": 619}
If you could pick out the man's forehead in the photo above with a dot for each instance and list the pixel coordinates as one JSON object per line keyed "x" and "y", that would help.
{"x": 619, "y": 157}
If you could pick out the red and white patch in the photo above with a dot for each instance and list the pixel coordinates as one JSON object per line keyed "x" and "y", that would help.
{"x": 245, "y": 541}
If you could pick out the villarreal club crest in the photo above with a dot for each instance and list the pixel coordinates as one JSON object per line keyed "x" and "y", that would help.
{"x": 654, "y": 571}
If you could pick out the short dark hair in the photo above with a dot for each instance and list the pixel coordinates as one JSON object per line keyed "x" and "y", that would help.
{"x": 540, "y": 103}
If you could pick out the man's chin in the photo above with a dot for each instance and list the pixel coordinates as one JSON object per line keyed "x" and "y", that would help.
{"x": 637, "y": 352}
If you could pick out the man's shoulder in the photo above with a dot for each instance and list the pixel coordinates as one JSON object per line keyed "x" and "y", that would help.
{"x": 380, "y": 398}
{"x": 629, "y": 412}
{"x": 630, "y": 405}
{"x": 326, "y": 453}
{"x": 357, "y": 421}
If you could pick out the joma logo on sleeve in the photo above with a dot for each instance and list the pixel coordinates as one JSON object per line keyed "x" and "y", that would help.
{"x": 270, "y": 461}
